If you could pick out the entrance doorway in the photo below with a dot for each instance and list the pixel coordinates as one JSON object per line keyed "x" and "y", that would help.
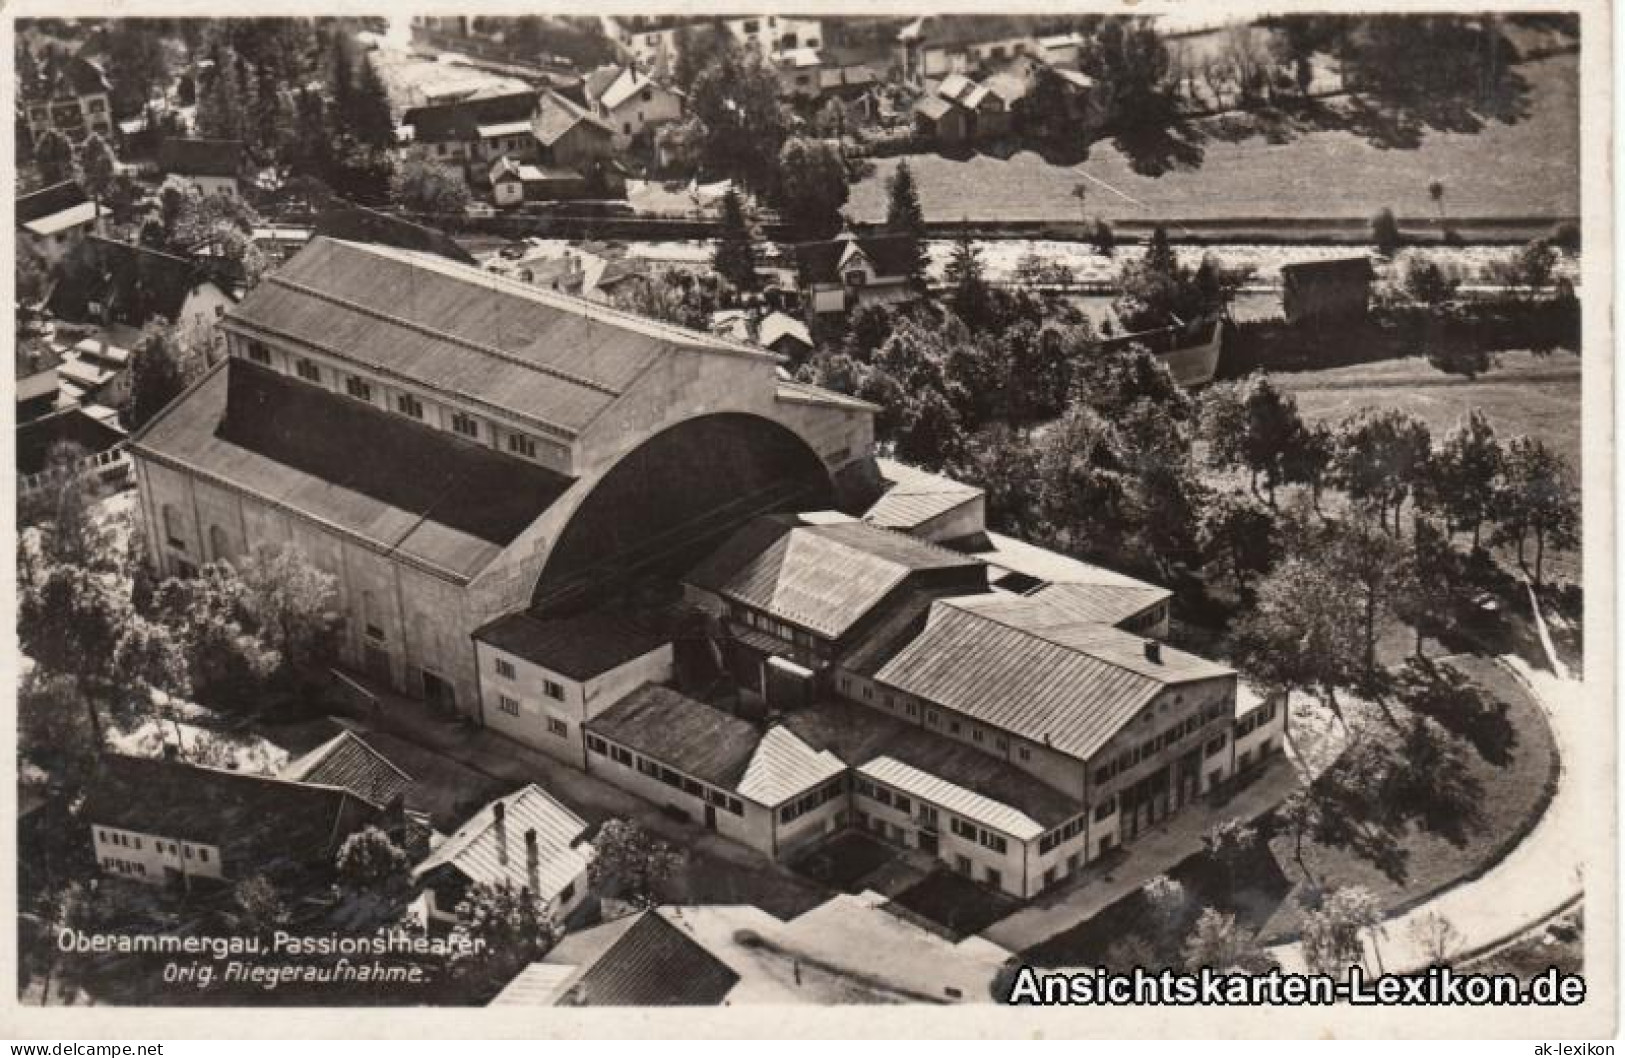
{"x": 928, "y": 842}
{"x": 710, "y": 817}
{"x": 376, "y": 661}
{"x": 438, "y": 692}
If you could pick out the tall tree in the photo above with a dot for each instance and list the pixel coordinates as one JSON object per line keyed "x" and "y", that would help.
{"x": 1239, "y": 536}
{"x": 1385, "y": 232}
{"x": 502, "y": 930}
{"x": 98, "y": 165}
{"x": 54, "y": 157}
{"x": 631, "y": 864}
{"x": 742, "y": 127}
{"x": 423, "y": 185}
{"x": 162, "y": 365}
{"x": 294, "y": 601}
{"x": 905, "y": 217}
{"x": 734, "y": 256}
{"x": 969, "y": 294}
{"x": 1539, "y": 500}
{"x": 1218, "y": 944}
{"x": 371, "y": 121}
{"x": 1334, "y": 935}
{"x": 813, "y": 186}
{"x": 1465, "y": 474}
{"x": 1383, "y": 456}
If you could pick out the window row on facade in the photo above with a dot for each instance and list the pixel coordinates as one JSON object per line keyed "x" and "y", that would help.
{"x": 411, "y": 406}
{"x": 676, "y": 780}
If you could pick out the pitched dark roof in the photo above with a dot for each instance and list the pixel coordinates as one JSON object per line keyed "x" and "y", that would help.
{"x": 578, "y": 647}
{"x": 82, "y": 77}
{"x": 1038, "y": 671}
{"x": 858, "y": 734}
{"x": 134, "y": 283}
{"x": 641, "y": 961}
{"x": 348, "y": 762}
{"x": 460, "y": 120}
{"x": 34, "y": 355}
{"x": 424, "y": 494}
{"x": 823, "y": 577}
{"x": 201, "y": 157}
{"x": 36, "y": 438}
{"x": 1342, "y": 270}
{"x": 820, "y": 261}
{"x": 254, "y": 819}
{"x": 556, "y": 115}
{"x": 360, "y": 224}
{"x": 49, "y": 201}
{"x": 675, "y": 729}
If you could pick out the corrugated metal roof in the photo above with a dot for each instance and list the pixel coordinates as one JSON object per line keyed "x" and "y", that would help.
{"x": 346, "y": 761}
{"x": 1008, "y": 553}
{"x": 820, "y": 577}
{"x": 538, "y": 985}
{"x": 783, "y": 766}
{"x": 553, "y": 360}
{"x": 916, "y": 496}
{"x": 679, "y": 731}
{"x": 447, "y": 504}
{"x": 954, "y": 798}
{"x": 858, "y": 734}
{"x": 1036, "y": 672}
{"x": 1100, "y": 603}
{"x": 489, "y": 854}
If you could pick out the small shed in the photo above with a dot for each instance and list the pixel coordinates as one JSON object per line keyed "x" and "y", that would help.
{"x": 1326, "y": 290}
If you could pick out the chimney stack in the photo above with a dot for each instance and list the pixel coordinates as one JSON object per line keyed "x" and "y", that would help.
{"x": 532, "y": 861}
{"x": 500, "y": 811}
{"x": 1153, "y": 651}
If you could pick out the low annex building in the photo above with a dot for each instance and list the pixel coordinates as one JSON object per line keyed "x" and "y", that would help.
{"x": 841, "y": 274}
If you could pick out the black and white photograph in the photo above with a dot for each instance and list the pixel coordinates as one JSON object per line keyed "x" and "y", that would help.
{"x": 520, "y": 512}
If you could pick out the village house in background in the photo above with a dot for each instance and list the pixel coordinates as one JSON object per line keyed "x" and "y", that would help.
{"x": 78, "y": 106}
{"x": 214, "y": 167}
{"x": 53, "y": 220}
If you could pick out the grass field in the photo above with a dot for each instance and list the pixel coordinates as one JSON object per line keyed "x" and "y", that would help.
{"x": 1529, "y": 167}
{"x": 1513, "y": 797}
{"x": 1524, "y": 394}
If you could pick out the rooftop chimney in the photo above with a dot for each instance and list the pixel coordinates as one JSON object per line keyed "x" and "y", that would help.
{"x": 532, "y": 861}
{"x": 1153, "y": 651}
{"x": 500, "y": 812}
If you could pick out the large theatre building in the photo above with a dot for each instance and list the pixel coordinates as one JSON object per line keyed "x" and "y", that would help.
{"x": 454, "y": 447}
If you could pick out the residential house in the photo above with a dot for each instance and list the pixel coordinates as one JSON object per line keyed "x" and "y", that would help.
{"x": 98, "y": 437}
{"x": 95, "y": 372}
{"x": 163, "y": 821}
{"x": 1336, "y": 291}
{"x": 631, "y": 102}
{"x": 568, "y": 136}
{"x": 958, "y": 109}
{"x": 639, "y": 960}
{"x": 525, "y": 841}
{"x": 451, "y": 131}
{"x": 654, "y": 44}
{"x": 108, "y": 282}
{"x": 470, "y": 446}
{"x": 542, "y": 679}
{"x": 52, "y": 220}
{"x": 764, "y": 788}
{"x": 78, "y": 105}
{"x": 513, "y": 183}
{"x": 36, "y": 364}
{"x": 840, "y": 274}
{"x": 214, "y": 167}
{"x": 934, "y": 46}
{"x": 785, "y": 335}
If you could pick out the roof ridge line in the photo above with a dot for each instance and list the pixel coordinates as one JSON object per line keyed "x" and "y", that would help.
{"x": 598, "y": 310}
{"x": 434, "y": 332}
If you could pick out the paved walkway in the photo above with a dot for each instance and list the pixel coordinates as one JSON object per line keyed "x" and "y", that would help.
{"x": 1098, "y": 886}
{"x": 1536, "y": 878}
